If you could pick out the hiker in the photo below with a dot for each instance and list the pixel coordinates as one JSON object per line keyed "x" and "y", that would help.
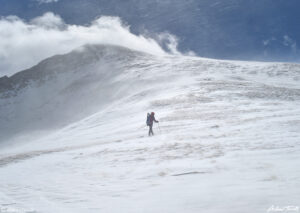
{"x": 150, "y": 119}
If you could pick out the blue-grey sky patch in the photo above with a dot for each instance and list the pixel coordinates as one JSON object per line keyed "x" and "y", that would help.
{"x": 231, "y": 29}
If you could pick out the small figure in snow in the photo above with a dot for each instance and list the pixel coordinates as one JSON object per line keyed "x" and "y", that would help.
{"x": 150, "y": 119}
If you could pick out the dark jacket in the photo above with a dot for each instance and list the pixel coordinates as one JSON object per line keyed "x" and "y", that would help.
{"x": 152, "y": 118}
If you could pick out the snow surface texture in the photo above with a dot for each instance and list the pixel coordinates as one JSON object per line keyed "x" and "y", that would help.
{"x": 74, "y": 138}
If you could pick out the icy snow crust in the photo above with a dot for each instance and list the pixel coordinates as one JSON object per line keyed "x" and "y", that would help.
{"x": 75, "y": 139}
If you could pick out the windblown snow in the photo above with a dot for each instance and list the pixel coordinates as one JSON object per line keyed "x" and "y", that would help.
{"x": 74, "y": 139}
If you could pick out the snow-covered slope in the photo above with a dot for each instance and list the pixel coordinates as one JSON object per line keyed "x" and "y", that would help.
{"x": 74, "y": 138}
{"x": 65, "y": 88}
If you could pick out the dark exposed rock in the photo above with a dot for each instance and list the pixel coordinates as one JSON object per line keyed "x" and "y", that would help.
{"x": 5, "y": 84}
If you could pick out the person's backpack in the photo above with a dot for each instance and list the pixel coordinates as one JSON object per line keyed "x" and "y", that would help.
{"x": 148, "y": 119}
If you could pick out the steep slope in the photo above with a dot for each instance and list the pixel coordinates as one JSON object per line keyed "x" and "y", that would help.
{"x": 63, "y": 88}
{"x": 228, "y": 139}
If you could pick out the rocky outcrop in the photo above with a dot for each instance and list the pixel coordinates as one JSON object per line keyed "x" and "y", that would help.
{"x": 5, "y": 84}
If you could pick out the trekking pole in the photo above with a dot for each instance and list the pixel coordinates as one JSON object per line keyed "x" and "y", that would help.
{"x": 159, "y": 128}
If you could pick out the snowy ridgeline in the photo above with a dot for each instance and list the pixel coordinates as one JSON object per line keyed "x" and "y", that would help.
{"x": 73, "y": 134}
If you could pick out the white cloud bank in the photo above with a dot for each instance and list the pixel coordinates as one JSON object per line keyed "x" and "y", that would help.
{"x": 24, "y": 44}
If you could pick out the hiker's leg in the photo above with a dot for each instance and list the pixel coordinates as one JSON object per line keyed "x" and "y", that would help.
{"x": 150, "y": 130}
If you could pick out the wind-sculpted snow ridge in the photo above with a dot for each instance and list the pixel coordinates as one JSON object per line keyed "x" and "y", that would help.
{"x": 62, "y": 88}
{"x": 228, "y": 138}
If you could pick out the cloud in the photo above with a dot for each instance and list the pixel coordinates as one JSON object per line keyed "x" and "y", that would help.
{"x": 24, "y": 44}
{"x": 289, "y": 42}
{"x": 46, "y": 1}
{"x": 269, "y": 41}
{"x": 48, "y": 20}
